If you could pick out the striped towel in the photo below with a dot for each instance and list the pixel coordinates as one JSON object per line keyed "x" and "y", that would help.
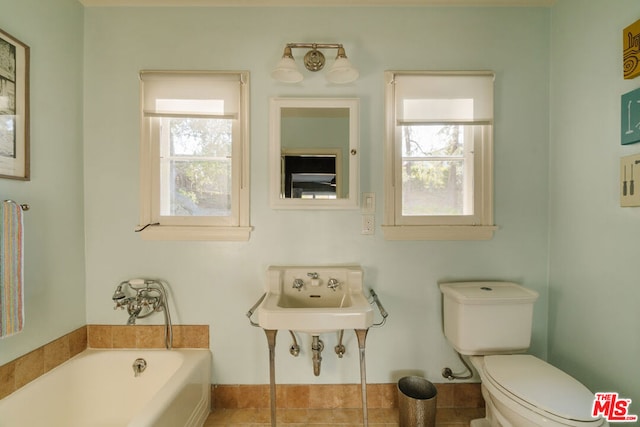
{"x": 11, "y": 269}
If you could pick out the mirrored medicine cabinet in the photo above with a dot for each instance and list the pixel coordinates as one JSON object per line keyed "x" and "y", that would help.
{"x": 313, "y": 153}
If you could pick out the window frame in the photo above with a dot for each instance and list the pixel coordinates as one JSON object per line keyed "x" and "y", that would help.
{"x": 396, "y": 226}
{"x": 234, "y": 227}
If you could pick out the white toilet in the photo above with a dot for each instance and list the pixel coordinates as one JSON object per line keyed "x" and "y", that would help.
{"x": 489, "y": 322}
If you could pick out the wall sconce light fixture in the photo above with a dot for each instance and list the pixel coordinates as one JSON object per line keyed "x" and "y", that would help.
{"x": 340, "y": 72}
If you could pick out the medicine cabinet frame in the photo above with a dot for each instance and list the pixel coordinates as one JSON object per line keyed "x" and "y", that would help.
{"x": 349, "y": 156}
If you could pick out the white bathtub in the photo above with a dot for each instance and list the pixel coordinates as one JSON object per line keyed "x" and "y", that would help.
{"x": 97, "y": 388}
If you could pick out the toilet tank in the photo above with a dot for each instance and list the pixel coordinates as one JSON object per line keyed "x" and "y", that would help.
{"x": 487, "y": 317}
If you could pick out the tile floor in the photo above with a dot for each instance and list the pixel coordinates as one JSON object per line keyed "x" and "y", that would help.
{"x": 378, "y": 417}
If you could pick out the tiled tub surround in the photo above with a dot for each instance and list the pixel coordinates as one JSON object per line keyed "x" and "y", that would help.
{"x": 30, "y": 366}
{"x": 141, "y": 336}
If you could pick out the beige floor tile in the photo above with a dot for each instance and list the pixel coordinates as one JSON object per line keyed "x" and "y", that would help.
{"x": 251, "y": 415}
{"x": 378, "y": 417}
{"x": 383, "y": 415}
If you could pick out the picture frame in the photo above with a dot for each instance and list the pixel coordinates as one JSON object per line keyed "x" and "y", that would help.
{"x": 631, "y": 50}
{"x": 629, "y": 168}
{"x": 14, "y": 108}
{"x": 630, "y": 117}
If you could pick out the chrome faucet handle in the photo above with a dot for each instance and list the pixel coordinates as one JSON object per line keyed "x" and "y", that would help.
{"x": 120, "y": 303}
{"x": 298, "y": 284}
{"x": 333, "y": 284}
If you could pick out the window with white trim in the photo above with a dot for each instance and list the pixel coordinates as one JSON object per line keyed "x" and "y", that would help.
{"x": 439, "y": 156}
{"x": 194, "y": 155}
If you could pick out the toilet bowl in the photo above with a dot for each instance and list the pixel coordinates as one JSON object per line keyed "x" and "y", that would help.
{"x": 523, "y": 391}
{"x": 491, "y": 323}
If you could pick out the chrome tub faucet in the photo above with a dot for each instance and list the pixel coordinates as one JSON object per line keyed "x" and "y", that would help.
{"x": 142, "y": 298}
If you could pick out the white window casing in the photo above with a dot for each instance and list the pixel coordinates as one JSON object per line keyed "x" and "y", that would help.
{"x": 415, "y": 101}
{"x": 208, "y": 104}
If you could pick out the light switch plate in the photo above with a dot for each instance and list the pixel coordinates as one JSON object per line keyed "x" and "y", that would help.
{"x": 368, "y": 203}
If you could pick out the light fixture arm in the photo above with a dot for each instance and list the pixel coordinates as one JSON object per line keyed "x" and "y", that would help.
{"x": 314, "y": 45}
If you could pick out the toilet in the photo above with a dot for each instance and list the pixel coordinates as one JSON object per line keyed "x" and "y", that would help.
{"x": 491, "y": 323}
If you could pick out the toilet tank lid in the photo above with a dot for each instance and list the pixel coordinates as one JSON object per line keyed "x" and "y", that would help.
{"x": 541, "y": 385}
{"x": 488, "y": 292}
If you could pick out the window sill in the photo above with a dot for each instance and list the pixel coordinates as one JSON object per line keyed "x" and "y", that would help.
{"x": 220, "y": 233}
{"x": 438, "y": 232}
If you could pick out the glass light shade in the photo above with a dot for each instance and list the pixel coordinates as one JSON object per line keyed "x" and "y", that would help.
{"x": 342, "y": 71}
{"x": 287, "y": 71}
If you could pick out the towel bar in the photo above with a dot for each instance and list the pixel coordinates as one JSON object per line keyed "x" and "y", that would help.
{"x": 24, "y": 206}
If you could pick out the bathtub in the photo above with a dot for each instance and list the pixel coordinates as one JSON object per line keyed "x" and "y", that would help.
{"x": 97, "y": 388}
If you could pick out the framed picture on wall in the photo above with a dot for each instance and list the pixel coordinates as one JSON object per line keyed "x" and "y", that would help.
{"x": 14, "y": 108}
{"x": 630, "y": 117}
{"x": 631, "y": 50}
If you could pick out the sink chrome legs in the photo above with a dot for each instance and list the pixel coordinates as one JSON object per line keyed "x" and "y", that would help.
{"x": 271, "y": 341}
{"x": 362, "y": 337}
{"x": 361, "y": 334}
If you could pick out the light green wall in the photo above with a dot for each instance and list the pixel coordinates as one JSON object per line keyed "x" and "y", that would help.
{"x": 216, "y": 283}
{"x": 594, "y": 289}
{"x": 588, "y": 241}
{"x": 54, "y": 227}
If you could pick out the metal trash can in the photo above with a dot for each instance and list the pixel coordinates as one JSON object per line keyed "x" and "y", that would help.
{"x": 416, "y": 402}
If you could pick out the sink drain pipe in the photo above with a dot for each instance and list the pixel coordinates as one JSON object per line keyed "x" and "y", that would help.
{"x": 316, "y": 347}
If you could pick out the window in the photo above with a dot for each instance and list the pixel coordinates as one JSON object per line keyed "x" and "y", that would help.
{"x": 194, "y": 156}
{"x": 438, "y": 156}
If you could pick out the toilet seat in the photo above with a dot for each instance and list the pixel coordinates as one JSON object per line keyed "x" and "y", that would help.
{"x": 540, "y": 385}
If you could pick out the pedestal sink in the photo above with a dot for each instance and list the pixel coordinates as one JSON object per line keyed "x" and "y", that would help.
{"x": 314, "y": 300}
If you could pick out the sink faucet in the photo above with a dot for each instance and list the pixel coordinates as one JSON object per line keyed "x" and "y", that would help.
{"x": 298, "y": 284}
{"x": 333, "y": 284}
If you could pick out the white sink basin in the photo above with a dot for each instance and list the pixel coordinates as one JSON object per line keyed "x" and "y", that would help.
{"x": 315, "y": 307}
